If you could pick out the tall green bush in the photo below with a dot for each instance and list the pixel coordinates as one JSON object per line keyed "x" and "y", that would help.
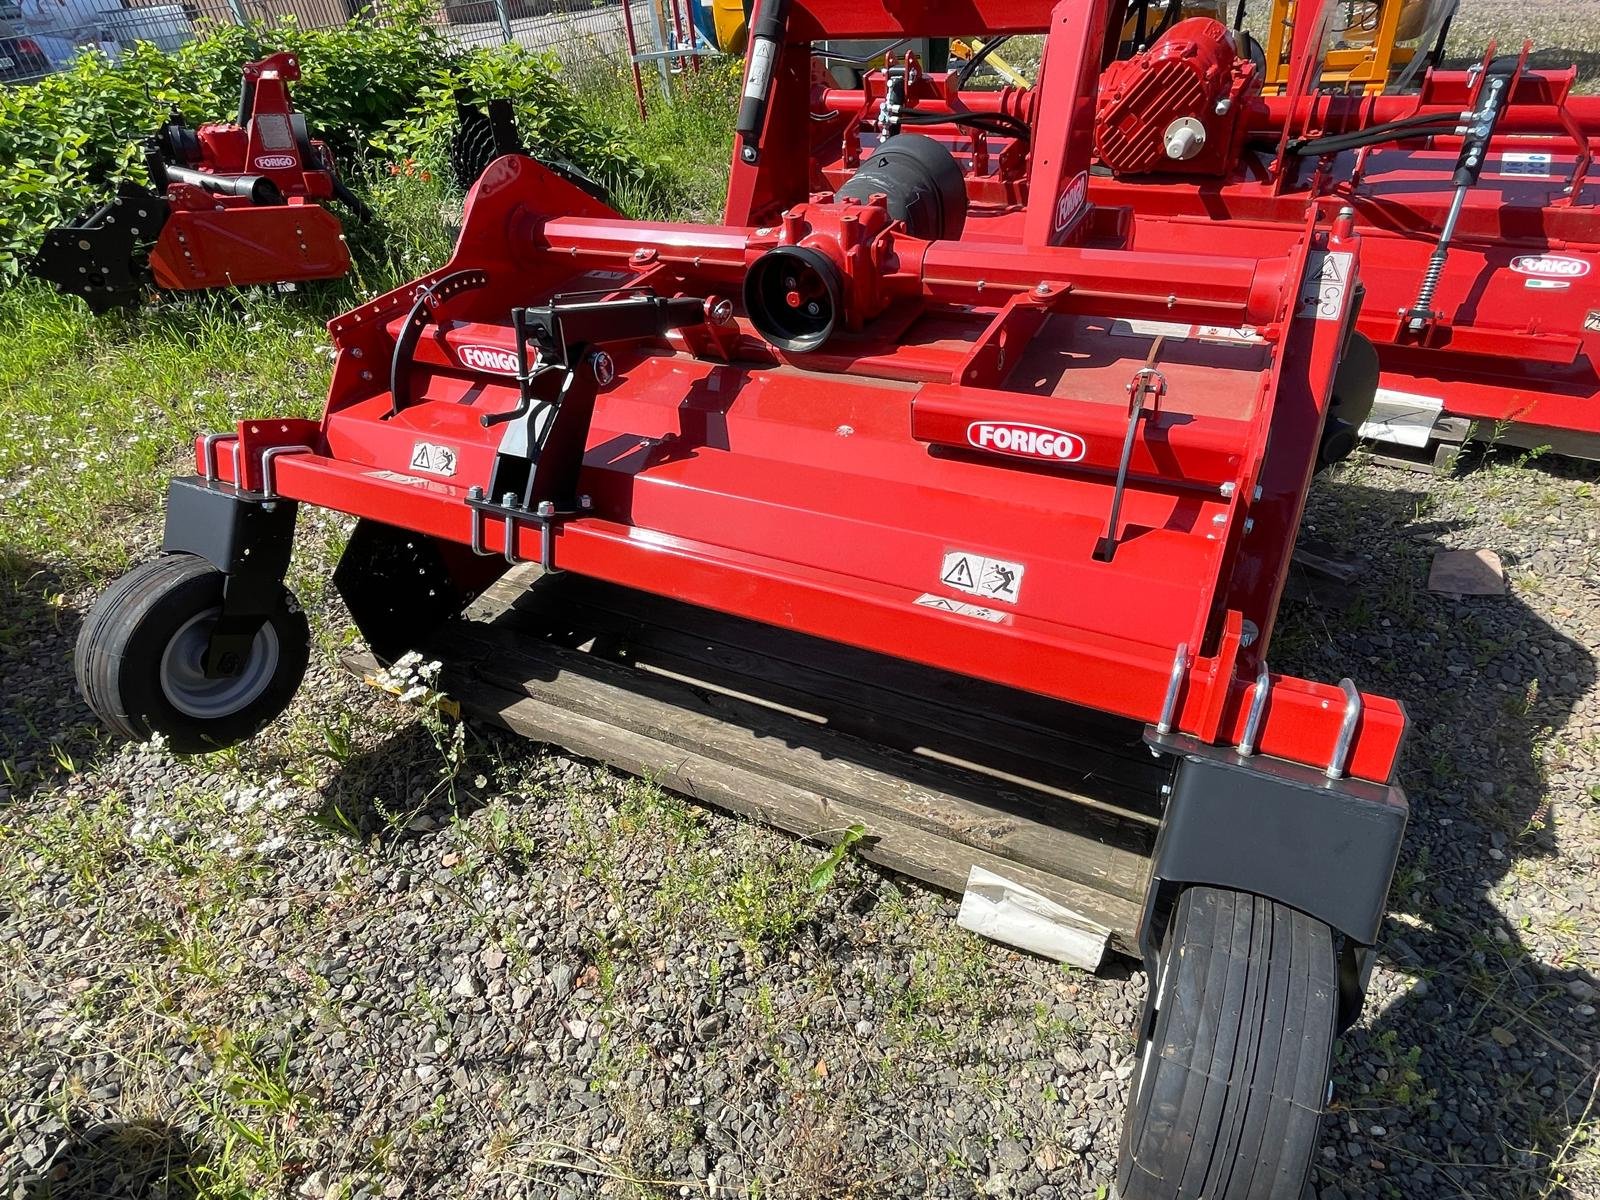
{"x": 551, "y": 119}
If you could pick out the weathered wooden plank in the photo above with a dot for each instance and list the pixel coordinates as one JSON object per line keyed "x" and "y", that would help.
{"x": 1075, "y": 843}
{"x": 717, "y": 651}
{"x": 940, "y": 861}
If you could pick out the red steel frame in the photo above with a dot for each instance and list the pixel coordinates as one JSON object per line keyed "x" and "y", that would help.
{"x": 819, "y": 491}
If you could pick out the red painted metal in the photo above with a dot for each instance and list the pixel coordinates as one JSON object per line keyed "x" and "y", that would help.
{"x": 213, "y": 239}
{"x": 940, "y": 479}
{"x": 823, "y": 492}
{"x": 633, "y": 58}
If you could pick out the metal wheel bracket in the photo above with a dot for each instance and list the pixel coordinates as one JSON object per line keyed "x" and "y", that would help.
{"x": 248, "y": 538}
{"x": 1327, "y": 847}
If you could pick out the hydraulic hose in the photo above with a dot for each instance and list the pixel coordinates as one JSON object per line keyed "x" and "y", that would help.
{"x": 1000, "y": 124}
{"x": 1335, "y": 144}
{"x": 970, "y": 67}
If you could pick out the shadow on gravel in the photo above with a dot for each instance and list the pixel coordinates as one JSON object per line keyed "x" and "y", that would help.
{"x": 117, "y": 1160}
{"x": 46, "y": 731}
{"x": 406, "y": 787}
{"x": 1470, "y": 1078}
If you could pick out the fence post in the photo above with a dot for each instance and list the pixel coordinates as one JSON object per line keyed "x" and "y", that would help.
{"x": 240, "y": 15}
{"x": 662, "y": 51}
{"x": 502, "y": 9}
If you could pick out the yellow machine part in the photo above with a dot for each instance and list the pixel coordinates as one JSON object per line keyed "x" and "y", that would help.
{"x": 1366, "y": 44}
{"x": 728, "y": 19}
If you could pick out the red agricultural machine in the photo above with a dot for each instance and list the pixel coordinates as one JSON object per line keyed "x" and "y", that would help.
{"x": 927, "y": 467}
{"x": 230, "y": 205}
{"x": 1472, "y": 194}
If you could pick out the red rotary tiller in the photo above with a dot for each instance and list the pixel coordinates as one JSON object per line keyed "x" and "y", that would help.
{"x": 932, "y": 405}
{"x": 230, "y": 205}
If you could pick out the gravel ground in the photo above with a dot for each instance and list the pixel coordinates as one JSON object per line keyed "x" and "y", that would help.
{"x": 366, "y": 956}
{"x": 369, "y": 955}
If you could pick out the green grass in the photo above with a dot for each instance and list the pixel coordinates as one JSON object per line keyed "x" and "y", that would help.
{"x": 96, "y": 412}
{"x": 691, "y": 139}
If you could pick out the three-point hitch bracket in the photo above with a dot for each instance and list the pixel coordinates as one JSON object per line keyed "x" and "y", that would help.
{"x": 561, "y": 368}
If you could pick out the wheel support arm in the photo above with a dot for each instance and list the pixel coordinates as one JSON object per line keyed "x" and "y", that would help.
{"x": 247, "y": 538}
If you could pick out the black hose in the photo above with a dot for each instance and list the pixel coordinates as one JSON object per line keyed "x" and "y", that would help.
{"x": 1337, "y": 145}
{"x": 1398, "y": 123}
{"x": 1401, "y": 126}
{"x": 999, "y": 124}
{"x": 970, "y": 67}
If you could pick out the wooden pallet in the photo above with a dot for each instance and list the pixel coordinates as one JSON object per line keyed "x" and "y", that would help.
{"x": 945, "y": 772}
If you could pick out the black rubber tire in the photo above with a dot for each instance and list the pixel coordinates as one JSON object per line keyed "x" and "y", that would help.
{"x": 1227, "y": 1100}
{"x": 126, "y": 635}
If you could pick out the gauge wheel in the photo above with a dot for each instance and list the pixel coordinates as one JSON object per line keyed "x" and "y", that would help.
{"x": 1227, "y": 1098}
{"x": 141, "y": 658}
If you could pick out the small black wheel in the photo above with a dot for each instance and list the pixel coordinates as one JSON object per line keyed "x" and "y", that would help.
{"x": 1227, "y": 1099}
{"x": 141, "y": 651}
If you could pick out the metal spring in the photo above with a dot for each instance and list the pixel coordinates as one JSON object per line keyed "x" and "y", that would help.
{"x": 1430, "y": 283}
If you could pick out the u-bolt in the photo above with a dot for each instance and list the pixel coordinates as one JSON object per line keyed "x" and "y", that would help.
{"x": 1347, "y": 730}
{"x": 208, "y": 451}
{"x": 269, "y": 456}
{"x": 1169, "y": 706}
{"x": 1258, "y": 709}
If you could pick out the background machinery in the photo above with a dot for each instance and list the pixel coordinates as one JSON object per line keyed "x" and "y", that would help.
{"x": 1373, "y": 45}
{"x": 1473, "y": 195}
{"x": 229, "y": 205}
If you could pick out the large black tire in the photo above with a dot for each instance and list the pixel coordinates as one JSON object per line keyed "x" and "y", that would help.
{"x": 1227, "y": 1100}
{"x": 138, "y": 659}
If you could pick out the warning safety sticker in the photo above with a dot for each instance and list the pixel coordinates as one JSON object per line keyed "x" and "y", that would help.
{"x": 435, "y": 459}
{"x": 1326, "y": 281}
{"x": 960, "y": 607}
{"x": 991, "y": 578}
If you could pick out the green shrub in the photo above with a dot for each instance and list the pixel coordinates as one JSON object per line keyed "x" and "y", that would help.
{"x": 551, "y": 119}
{"x": 66, "y": 140}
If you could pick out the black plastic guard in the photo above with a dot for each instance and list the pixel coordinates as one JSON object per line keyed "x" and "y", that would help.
{"x": 247, "y": 538}
{"x": 104, "y": 257}
{"x": 1278, "y": 829}
{"x": 1327, "y": 847}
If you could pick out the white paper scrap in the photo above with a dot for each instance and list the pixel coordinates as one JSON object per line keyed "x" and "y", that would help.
{"x": 1004, "y": 910}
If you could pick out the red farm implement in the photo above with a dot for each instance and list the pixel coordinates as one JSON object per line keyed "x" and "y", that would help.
{"x": 926, "y": 490}
{"x": 230, "y": 205}
{"x": 1473, "y": 197}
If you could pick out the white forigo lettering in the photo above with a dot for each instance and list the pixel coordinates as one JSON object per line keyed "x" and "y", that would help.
{"x": 489, "y": 358}
{"x": 1032, "y": 441}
